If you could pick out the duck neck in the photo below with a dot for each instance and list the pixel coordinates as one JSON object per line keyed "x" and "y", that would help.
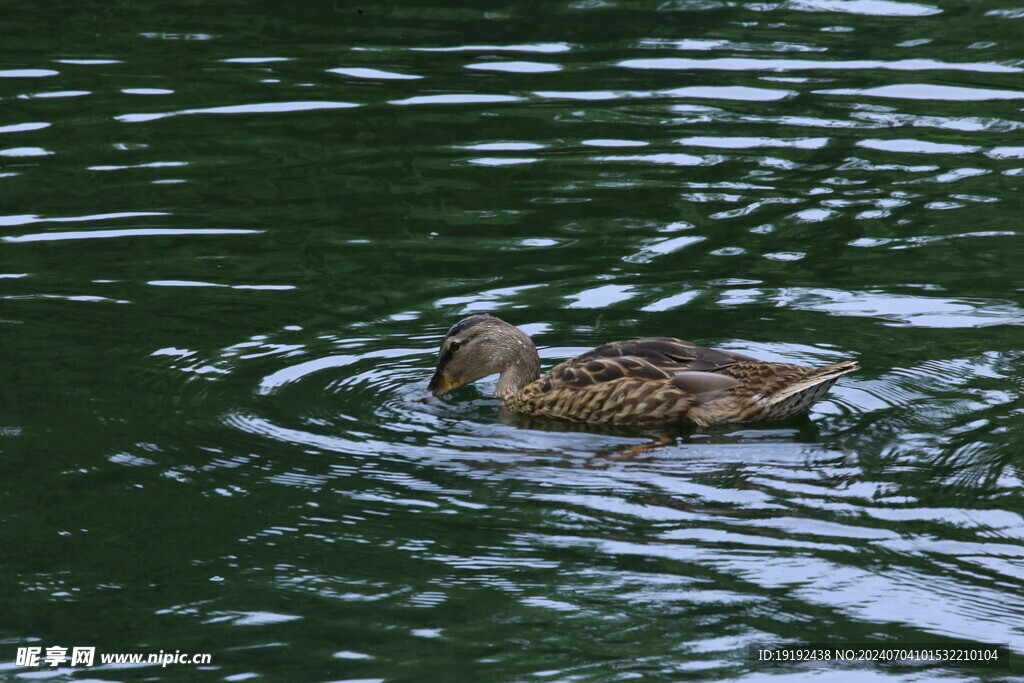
{"x": 522, "y": 368}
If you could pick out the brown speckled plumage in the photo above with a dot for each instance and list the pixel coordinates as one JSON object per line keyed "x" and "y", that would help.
{"x": 642, "y": 381}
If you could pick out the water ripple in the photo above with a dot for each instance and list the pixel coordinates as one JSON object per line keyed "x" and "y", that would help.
{"x": 749, "y": 64}
{"x": 927, "y": 91}
{"x": 260, "y": 108}
{"x": 516, "y": 67}
{"x": 27, "y": 73}
{"x": 126, "y": 232}
{"x": 524, "y": 47}
{"x": 359, "y": 72}
{"x": 23, "y": 127}
{"x": 874, "y": 8}
{"x": 453, "y": 98}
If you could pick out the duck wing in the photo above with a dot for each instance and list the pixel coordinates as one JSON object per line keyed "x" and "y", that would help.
{"x": 642, "y": 380}
{"x": 667, "y": 380}
{"x": 640, "y": 357}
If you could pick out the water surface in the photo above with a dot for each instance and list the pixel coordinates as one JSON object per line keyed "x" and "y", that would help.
{"x": 233, "y": 236}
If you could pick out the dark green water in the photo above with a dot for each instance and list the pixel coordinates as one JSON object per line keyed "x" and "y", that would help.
{"x": 233, "y": 235}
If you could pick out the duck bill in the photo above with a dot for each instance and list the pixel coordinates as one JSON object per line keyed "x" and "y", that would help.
{"x": 440, "y": 385}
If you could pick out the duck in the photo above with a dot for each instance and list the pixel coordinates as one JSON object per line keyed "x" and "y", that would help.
{"x": 648, "y": 381}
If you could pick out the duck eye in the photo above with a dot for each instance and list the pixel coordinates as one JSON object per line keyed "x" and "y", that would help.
{"x": 453, "y": 346}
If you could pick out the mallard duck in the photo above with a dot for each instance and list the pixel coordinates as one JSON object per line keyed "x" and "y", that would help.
{"x": 655, "y": 380}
